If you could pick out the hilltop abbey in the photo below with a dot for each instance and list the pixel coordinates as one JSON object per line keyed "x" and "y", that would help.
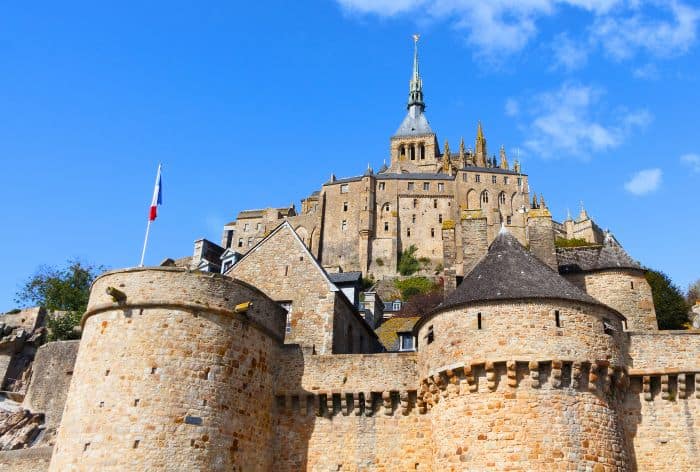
{"x": 264, "y": 353}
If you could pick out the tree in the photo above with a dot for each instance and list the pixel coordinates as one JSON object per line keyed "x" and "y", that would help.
{"x": 671, "y": 307}
{"x": 408, "y": 263}
{"x": 694, "y": 293}
{"x": 60, "y": 290}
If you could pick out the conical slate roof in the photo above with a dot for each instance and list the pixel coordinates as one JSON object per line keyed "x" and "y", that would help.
{"x": 509, "y": 271}
{"x": 590, "y": 258}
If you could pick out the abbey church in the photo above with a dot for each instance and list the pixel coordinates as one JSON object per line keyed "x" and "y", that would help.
{"x": 267, "y": 352}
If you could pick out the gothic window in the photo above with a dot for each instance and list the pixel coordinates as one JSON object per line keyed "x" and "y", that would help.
{"x": 441, "y": 187}
{"x": 426, "y": 186}
{"x": 386, "y": 208}
{"x": 477, "y": 178}
{"x": 485, "y": 196}
{"x": 410, "y": 186}
{"x": 502, "y": 198}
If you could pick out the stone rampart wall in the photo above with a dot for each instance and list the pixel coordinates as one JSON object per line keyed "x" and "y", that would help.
{"x": 665, "y": 351}
{"x": 35, "y": 459}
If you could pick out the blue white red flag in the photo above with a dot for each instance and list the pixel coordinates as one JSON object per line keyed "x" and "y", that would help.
{"x": 157, "y": 197}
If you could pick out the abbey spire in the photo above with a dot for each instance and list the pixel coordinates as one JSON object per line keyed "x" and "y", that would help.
{"x": 415, "y": 88}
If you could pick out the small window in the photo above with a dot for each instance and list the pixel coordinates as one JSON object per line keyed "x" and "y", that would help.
{"x": 227, "y": 265}
{"x": 229, "y": 237}
{"x": 477, "y": 178}
{"x": 413, "y": 218}
{"x": 411, "y": 186}
{"x": 440, "y": 218}
{"x": 432, "y": 232}
{"x": 396, "y": 305}
{"x": 406, "y": 342}
{"x": 344, "y": 225}
{"x": 136, "y": 443}
{"x": 502, "y": 198}
{"x": 345, "y": 206}
{"x": 632, "y": 284}
{"x": 441, "y": 187}
{"x": 250, "y": 242}
{"x": 430, "y": 337}
{"x": 415, "y": 202}
{"x": 465, "y": 177}
{"x": 478, "y": 320}
{"x": 258, "y": 226}
{"x": 381, "y": 185}
{"x": 240, "y": 242}
{"x": 246, "y": 227}
{"x": 608, "y": 327}
{"x": 520, "y": 181}
{"x": 422, "y": 151}
{"x": 344, "y": 188}
{"x": 386, "y": 226}
{"x": 408, "y": 232}
{"x": 286, "y": 270}
{"x": 154, "y": 370}
{"x": 287, "y": 306}
{"x": 557, "y": 318}
{"x": 493, "y": 179}
{"x": 509, "y": 220}
{"x": 435, "y": 203}
{"x": 505, "y": 180}
{"x": 426, "y": 186}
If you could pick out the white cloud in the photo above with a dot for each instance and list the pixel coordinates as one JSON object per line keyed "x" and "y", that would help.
{"x": 501, "y": 27}
{"x": 563, "y": 122}
{"x": 623, "y": 37}
{"x": 692, "y": 160}
{"x": 512, "y": 107}
{"x": 644, "y": 182}
{"x": 569, "y": 55}
{"x": 647, "y": 71}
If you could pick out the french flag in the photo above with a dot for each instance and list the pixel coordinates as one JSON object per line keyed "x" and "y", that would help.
{"x": 157, "y": 197}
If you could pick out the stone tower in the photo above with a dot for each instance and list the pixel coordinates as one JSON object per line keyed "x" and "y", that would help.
{"x": 162, "y": 353}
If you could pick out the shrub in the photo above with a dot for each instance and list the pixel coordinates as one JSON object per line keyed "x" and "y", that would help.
{"x": 408, "y": 263}
{"x": 414, "y": 286}
{"x": 575, "y": 242}
{"x": 379, "y": 261}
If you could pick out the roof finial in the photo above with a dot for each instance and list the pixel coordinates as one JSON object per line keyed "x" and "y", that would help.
{"x": 415, "y": 90}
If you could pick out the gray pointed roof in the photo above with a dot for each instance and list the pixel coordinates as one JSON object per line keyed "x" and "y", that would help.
{"x": 508, "y": 272}
{"x": 415, "y": 124}
{"x": 592, "y": 258}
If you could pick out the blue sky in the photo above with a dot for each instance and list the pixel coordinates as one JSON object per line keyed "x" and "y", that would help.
{"x": 255, "y": 104}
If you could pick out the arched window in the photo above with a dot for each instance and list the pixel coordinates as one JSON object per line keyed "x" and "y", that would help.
{"x": 421, "y": 151}
{"x": 412, "y": 152}
{"x": 485, "y": 196}
{"x": 502, "y": 198}
{"x": 402, "y": 151}
{"x": 386, "y": 208}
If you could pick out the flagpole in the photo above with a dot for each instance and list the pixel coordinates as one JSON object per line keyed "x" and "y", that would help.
{"x": 145, "y": 242}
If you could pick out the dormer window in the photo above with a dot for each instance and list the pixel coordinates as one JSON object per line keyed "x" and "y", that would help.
{"x": 406, "y": 342}
{"x": 608, "y": 327}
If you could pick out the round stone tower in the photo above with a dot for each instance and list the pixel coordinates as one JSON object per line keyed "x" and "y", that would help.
{"x": 611, "y": 276}
{"x": 520, "y": 368}
{"x": 173, "y": 373}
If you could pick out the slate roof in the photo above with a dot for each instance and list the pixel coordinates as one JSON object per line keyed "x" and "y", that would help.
{"x": 388, "y": 331}
{"x": 591, "y": 258}
{"x": 492, "y": 170}
{"x": 415, "y": 176}
{"x": 508, "y": 272}
{"x": 345, "y": 277}
{"x": 415, "y": 124}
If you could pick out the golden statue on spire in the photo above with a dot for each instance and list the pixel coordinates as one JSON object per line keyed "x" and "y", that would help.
{"x": 416, "y": 37}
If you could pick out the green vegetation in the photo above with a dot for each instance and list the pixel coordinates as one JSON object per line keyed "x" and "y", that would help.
{"x": 575, "y": 242}
{"x": 671, "y": 306}
{"x": 414, "y": 286}
{"x": 408, "y": 263}
{"x": 60, "y": 289}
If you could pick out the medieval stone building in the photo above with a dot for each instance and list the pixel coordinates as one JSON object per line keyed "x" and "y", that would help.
{"x": 257, "y": 358}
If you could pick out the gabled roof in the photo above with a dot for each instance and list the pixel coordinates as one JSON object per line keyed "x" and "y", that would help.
{"x": 388, "y": 331}
{"x": 345, "y": 277}
{"x": 281, "y": 227}
{"x": 508, "y": 272}
{"x": 592, "y": 258}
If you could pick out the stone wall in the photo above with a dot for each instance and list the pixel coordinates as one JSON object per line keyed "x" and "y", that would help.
{"x": 662, "y": 421}
{"x": 52, "y": 371}
{"x": 172, "y": 376}
{"x": 625, "y": 290}
{"x": 351, "y": 333}
{"x": 474, "y": 239}
{"x": 35, "y": 459}
{"x": 540, "y": 234}
{"x": 664, "y": 351}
